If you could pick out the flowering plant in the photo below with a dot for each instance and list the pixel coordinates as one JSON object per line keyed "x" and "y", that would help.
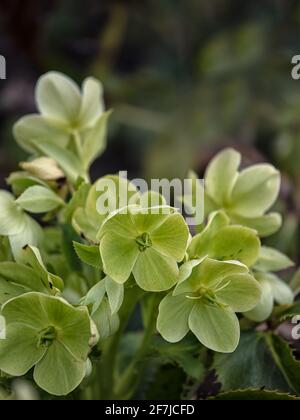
{"x": 74, "y": 273}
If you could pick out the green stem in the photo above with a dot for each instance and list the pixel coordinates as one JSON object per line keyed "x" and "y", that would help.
{"x": 130, "y": 379}
{"x": 106, "y": 371}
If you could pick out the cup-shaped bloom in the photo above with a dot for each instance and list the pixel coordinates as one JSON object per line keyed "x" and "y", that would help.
{"x": 147, "y": 242}
{"x": 48, "y": 334}
{"x": 245, "y": 195}
{"x": 17, "y": 225}
{"x": 205, "y": 301}
{"x": 222, "y": 241}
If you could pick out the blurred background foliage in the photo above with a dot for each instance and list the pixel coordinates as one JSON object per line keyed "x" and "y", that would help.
{"x": 184, "y": 77}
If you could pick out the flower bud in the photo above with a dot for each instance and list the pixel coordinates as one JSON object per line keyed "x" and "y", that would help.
{"x": 43, "y": 168}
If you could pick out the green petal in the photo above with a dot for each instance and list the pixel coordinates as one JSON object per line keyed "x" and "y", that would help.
{"x": 221, "y": 175}
{"x": 172, "y": 321}
{"x": 282, "y": 293}
{"x": 265, "y": 306}
{"x": 119, "y": 255}
{"x": 149, "y": 219}
{"x": 120, "y": 224}
{"x": 215, "y": 327}
{"x": 115, "y": 294}
{"x": 241, "y": 292}
{"x": 272, "y": 260}
{"x": 106, "y": 322}
{"x": 256, "y": 190}
{"x": 83, "y": 226}
{"x": 235, "y": 243}
{"x": 154, "y": 272}
{"x": 31, "y": 234}
{"x": 94, "y": 140}
{"x": 12, "y": 218}
{"x": 210, "y": 273}
{"x": 29, "y": 130}
{"x": 19, "y": 351}
{"x": 264, "y": 225}
{"x": 38, "y": 199}
{"x": 200, "y": 244}
{"x": 92, "y": 105}
{"x": 59, "y": 373}
{"x": 58, "y": 97}
{"x": 170, "y": 238}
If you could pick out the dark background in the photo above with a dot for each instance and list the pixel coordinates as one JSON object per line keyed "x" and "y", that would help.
{"x": 184, "y": 77}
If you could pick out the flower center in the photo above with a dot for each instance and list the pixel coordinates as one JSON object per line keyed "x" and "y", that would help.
{"x": 46, "y": 337}
{"x": 144, "y": 241}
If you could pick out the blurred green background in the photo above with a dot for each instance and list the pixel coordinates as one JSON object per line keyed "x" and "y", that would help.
{"x": 184, "y": 77}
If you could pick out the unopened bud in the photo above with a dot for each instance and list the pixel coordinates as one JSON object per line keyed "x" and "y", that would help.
{"x": 43, "y": 168}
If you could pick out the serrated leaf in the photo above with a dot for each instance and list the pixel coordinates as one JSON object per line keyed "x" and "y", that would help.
{"x": 89, "y": 254}
{"x": 261, "y": 360}
{"x": 254, "y": 395}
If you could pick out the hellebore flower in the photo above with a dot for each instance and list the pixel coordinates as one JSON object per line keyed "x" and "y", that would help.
{"x": 71, "y": 125}
{"x": 273, "y": 288}
{"x": 222, "y": 241}
{"x": 245, "y": 195}
{"x": 48, "y": 334}
{"x": 147, "y": 242}
{"x": 205, "y": 300}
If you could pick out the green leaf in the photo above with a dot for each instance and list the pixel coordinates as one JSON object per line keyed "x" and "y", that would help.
{"x": 254, "y": 395}
{"x": 216, "y": 328}
{"x": 92, "y": 105}
{"x": 89, "y": 254}
{"x": 255, "y": 190}
{"x": 20, "y": 181}
{"x": 78, "y": 200}
{"x": 154, "y": 272}
{"x": 172, "y": 321}
{"x": 115, "y": 294}
{"x": 185, "y": 354}
{"x": 29, "y": 130}
{"x": 262, "y": 360}
{"x": 58, "y": 98}
{"x": 221, "y": 175}
{"x": 39, "y": 199}
{"x": 281, "y": 291}
{"x": 106, "y": 322}
{"x": 16, "y": 279}
{"x": 272, "y": 260}
{"x": 293, "y": 310}
{"x": 94, "y": 140}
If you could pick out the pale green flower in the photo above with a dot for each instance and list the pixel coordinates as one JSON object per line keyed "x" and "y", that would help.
{"x": 50, "y": 335}
{"x": 149, "y": 243}
{"x": 208, "y": 294}
{"x": 246, "y": 196}
{"x": 71, "y": 125}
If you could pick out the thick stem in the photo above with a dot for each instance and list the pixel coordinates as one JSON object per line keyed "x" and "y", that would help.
{"x": 129, "y": 381}
{"x": 106, "y": 371}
